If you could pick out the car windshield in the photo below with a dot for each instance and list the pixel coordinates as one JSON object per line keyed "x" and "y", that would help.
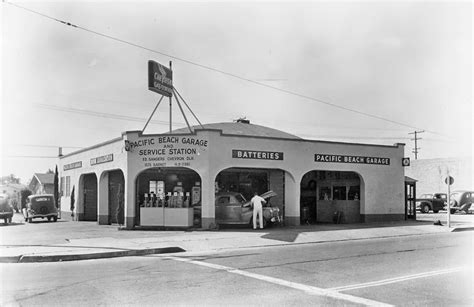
{"x": 240, "y": 198}
{"x": 426, "y": 196}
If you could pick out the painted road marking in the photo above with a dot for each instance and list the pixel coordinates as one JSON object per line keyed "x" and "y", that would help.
{"x": 396, "y": 279}
{"x": 281, "y": 282}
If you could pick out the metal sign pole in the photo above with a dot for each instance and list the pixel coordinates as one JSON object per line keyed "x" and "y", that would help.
{"x": 448, "y": 182}
{"x": 171, "y": 117}
{"x": 154, "y": 110}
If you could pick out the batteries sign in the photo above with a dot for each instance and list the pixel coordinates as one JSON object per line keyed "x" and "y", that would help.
{"x": 160, "y": 79}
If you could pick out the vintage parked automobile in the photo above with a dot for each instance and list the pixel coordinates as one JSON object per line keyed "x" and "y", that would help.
{"x": 6, "y": 210}
{"x": 461, "y": 201}
{"x": 233, "y": 208}
{"x": 431, "y": 202}
{"x": 41, "y": 206}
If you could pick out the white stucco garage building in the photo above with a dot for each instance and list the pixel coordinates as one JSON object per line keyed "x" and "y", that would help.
{"x": 145, "y": 174}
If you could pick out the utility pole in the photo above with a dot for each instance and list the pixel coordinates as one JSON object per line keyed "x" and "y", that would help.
{"x": 415, "y": 150}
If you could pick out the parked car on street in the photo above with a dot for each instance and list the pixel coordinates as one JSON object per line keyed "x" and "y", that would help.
{"x": 461, "y": 201}
{"x": 6, "y": 210}
{"x": 233, "y": 208}
{"x": 41, "y": 206}
{"x": 431, "y": 202}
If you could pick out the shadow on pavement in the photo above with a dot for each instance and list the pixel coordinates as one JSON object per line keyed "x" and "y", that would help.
{"x": 10, "y": 224}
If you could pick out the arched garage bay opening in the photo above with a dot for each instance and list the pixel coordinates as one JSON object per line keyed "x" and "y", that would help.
{"x": 87, "y": 198}
{"x": 246, "y": 181}
{"x": 325, "y": 192}
{"x": 111, "y": 185}
{"x": 168, "y": 187}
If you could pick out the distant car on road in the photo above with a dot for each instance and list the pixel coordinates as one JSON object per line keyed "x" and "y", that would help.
{"x": 431, "y": 202}
{"x": 41, "y": 206}
{"x": 233, "y": 208}
{"x": 461, "y": 201}
{"x": 6, "y": 210}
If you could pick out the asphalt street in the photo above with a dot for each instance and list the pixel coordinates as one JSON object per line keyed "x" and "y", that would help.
{"x": 430, "y": 269}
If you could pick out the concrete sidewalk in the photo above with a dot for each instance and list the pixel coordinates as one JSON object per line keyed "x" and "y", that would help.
{"x": 91, "y": 241}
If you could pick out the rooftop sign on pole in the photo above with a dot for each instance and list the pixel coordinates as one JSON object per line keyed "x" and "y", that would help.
{"x": 160, "y": 79}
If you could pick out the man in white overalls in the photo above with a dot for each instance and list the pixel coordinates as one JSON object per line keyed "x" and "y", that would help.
{"x": 257, "y": 204}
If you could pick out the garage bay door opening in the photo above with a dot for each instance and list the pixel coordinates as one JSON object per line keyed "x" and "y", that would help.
{"x": 330, "y": 197}
{"x": 88, "y": 198}
{"x": 237, "y": 185}
{"x": 115, "y": 197}
{"x": 173, "y": 190}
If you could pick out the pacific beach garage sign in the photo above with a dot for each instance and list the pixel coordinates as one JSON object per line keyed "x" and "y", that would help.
{"x": 351, "y": 159}
{"x": 167, "y": 151}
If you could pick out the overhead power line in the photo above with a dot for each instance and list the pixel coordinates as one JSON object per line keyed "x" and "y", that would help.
{"x": 35, "y": 157}
{"x": 220, "y": 71}
{"x": 100, "y": 114}
{"x": 44, "y": 146}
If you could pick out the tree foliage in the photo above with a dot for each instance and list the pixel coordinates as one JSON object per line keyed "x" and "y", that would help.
{"x": 10, "y": 179}
{"x": 24, "y": 193}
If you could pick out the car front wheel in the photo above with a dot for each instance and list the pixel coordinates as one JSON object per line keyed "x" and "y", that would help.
{"x": 425, "y": 209}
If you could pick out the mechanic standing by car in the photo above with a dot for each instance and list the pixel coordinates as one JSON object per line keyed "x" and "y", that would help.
{"x": 257, "y": 204}
{"x": 24, "y": 207}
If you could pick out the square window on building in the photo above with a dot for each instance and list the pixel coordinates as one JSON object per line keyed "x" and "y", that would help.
{"x": 153, "y": 186}
{"x": 61, "y": 186}
{"x": 325, "y": 193}
{"x": 354, "y": 193}
{"x": 68, "y": 186}
{"x": 339, "y": 193}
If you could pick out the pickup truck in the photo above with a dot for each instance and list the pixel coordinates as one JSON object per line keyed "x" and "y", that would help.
{"x": 431, "y": 202}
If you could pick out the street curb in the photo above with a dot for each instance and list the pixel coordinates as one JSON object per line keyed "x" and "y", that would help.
{"x": 89, "y": 256}
{"x": 462, "y": 229}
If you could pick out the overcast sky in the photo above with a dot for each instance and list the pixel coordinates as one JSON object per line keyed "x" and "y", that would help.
{"x": 407, "y": 62}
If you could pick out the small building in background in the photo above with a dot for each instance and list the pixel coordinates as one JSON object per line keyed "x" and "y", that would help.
{"x": 431, "y": 174}
{"x": 42, "y": 183}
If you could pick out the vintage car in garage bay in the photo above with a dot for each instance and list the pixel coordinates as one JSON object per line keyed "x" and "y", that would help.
{"x": 233, "y": 209}
{"x": 41, "y": 206}
{"x": 6, "y": 210}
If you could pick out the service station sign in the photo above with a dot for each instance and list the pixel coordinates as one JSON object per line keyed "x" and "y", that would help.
{"x": 160, "y": 79}
{"x": 167, "y": 151}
